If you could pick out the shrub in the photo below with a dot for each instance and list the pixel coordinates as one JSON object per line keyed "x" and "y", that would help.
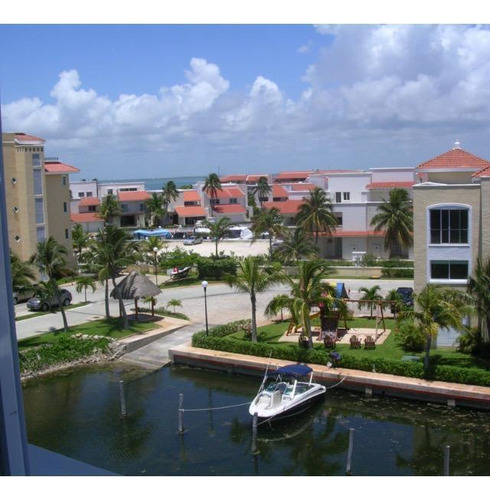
{"x": 410, "y": 337}
{"x": 177, "y": 258}
{"x": 215, "y": 268}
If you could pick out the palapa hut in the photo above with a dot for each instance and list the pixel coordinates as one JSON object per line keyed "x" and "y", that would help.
{"x": 136, "y": 286}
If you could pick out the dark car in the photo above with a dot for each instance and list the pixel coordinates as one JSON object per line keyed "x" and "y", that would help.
{"x": 39, "y": 304}
{"x": 406, "y": 297}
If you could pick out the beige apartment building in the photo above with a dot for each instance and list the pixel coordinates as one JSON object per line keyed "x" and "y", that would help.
{"x": 37, "y": 195}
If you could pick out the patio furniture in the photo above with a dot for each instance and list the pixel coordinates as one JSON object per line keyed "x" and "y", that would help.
{"x": 329, "y": 341}
{"x": 369, "y": 343}
{"x": 355, "y": 343}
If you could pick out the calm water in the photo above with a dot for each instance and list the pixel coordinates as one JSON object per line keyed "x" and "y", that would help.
{"x": 78, "y": 415}
{"x": 157, "y": 183}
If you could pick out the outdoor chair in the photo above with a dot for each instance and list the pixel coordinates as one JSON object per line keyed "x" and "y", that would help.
{"x": 369, "y": 343}
{"x": 355, "y": 343}
{"x": 329, "y": 341}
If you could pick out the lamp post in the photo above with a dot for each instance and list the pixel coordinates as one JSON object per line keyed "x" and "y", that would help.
{"x": 204, "y": 287}
{"x": 155, "y": 251}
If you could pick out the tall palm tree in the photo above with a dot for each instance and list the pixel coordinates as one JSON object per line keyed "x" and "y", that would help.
{"x": 296, "y": 246}
{"x": 22, "y": 274}
{"x": 252, "y": 278}
{"x": 268, "y": 221}
{"x": 109, "y": 208}
{"x": 262, "y": 189}
{"x": 155, "y": 208}
{"x": 112, "y": 250}
{"x": 479, "y": 291}
{"x": 212, "y": 185}
{"x": 370, "y": 295}
{"x": 437, "y": 307}
{"x": 395, "y": 217}
{"x": 169, "y": 193}
{"x": 307, "y": 290}
{"x": 218, "y": 230}
{"x": 50, "y": 259}
{"x": 80, "y": 239}
{"x": 316, "y": 213}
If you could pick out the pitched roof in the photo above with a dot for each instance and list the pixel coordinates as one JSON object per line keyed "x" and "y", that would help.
{"x": 229, "y": 192}
{"x": 279, "y": 191}
{"x": 229, "y": 209}
{"x": 191, "y": 195}
{"x": 86, "y": 217}
{"x": 485, "y": 172}
{"x": 192, "y": 211}
{"x": 302, "y": 186}
{"x": 293, "y": 175}
{"x": 89, "y": 201}
{"x": 255, "y": 177}
{"x": 390, "y": 185}
{"x": 57, "y": 167}
{"x": 22, "y": 138}
{"x": 285, "y": 207}
{"x": 455, "y": 158}
{"x": 133, "y": 196}
{"x": 234, "y": 178}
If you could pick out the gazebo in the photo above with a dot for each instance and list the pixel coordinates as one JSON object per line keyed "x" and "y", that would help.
{"x": 136, "y": 286}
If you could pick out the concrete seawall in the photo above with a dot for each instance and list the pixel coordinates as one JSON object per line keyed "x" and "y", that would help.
{"x": 369, "y": 383}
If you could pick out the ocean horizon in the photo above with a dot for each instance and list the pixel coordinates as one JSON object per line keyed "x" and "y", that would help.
{"x": 158, "y": 182}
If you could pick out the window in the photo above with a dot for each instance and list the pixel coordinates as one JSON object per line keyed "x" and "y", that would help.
{"x": 142, "y": 207}
{"x": 67, "y": 234}
{"x": 449, "y": 269}
{"x": 41, "y": 234}
{"x": 124, "y": 207}
{"x": 110, "y": 191}
{"x": 340, "y": 219}
{"x": 92, "y": 208}
{"x": 233, "y": 201}
{"x": 448, "y": 226}
{"x": 38, "y": 181}
{"x": 214, "y": 201}
{"x": 39, "y": 211}
{"x": 81, "y": 195}
{"x": 36, "y": 160}
{"x": 338, "y": 197}
{"x": 346, "y": 196}
{"x": 89, "y": 194}
{"x": 65, "y": 207}
{"x": 63, "y": 180}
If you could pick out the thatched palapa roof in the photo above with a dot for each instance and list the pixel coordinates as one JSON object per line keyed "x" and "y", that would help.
{"x": 136, "y": 286}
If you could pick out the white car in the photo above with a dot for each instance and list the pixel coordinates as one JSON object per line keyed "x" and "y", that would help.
{"x": 192, "y": 240}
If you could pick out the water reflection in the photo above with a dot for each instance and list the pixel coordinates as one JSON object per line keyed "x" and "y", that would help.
{"x": 79, "y": 415}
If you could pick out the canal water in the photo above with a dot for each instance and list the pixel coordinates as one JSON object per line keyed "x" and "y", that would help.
{"x": 78, "y": 414}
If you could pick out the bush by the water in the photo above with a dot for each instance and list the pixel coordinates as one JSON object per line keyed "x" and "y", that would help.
{"x": 410, "y": 337}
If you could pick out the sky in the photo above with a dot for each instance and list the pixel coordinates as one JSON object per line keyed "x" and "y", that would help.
{"x": 125, "y": 101}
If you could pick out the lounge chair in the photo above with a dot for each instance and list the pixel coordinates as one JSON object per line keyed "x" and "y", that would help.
{"x": 369, "y": 343}
{"x": 355, "y": 343}
{"x": 329, "y": 341}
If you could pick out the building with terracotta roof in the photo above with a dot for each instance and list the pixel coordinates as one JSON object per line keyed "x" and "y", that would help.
{"x": 37, "y": 195}
{"x": 451, "y": 217}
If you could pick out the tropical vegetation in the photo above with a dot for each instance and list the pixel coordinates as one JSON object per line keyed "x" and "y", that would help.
{"x": 268, "y": 221}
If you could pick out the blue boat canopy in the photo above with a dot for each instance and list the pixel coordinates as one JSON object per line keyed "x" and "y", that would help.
{"x": 162, "y": 233}
{"x": 293, "y": 370}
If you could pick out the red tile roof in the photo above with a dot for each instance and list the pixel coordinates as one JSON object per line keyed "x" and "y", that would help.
{"x": 293, "y": 175}
{"x": 483, "y": 173}
{"x": 234, "y": 178}
{"x": 57, "y": 167}
{"x": 256, "y": 177}
{"x": 279, "y": 191}
{"x": 85, "y": 202}
{"x": 191, "y": 196}
{"x": 229, "y": 209}
{"x": 195, "y": 211}
{"x": 303, "y": 186}
{"x": 229, "y": 192}
{"x": 86, "y": 217}
{"x": 455, "y": 158}
{"x": 285, "y": 207}
{"x": 133, "y": 196}
{"x": 22, "y": 138}
{"x": 389, "y": 185}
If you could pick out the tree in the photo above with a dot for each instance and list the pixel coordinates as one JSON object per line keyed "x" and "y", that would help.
{"x": 252, "y": 278}
{"x": 212, "y": 185}
{"x": 437, "y": 307}
{"x": 218, "y": 229}
{"x": 262, "y": 189}
{"x": 80, "y": 239}
{"x": 370, "y": 295}
{"x": 307, "y": 290}
{"x": 169, "y": 194}
{"x": 296, "y": 246}
{"x": 395, "y": 217}
{"x": 112, "y": 250}
{"x": 316, "y": 213}
{"x": 83, "y": 283}
{"x": 22, "y": 274}
{"x": 109, "y": 208}
{"x": 155, "y": 208}
{"x": 479, "y": 291}
{"x": 50, "y": 259}
{"x": 174, "y": 303}
{"x": 268, "y": 221}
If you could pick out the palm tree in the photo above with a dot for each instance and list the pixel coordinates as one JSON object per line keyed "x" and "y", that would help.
{"x": 218, "y": 229}
{"x": 80, "y": 239}
{"x": 296, "y": 246}
{"x": 262, "y": 189}
{"x": 109, "y": 208}
{"x": 22, "y": 274}
{"x": 155, "y": 208}
{"x": 252, "y": 278}
{"x": 174, "y": 303}
{"x": 212, "y": 185}
{"x": 112, "y": 250}
{"x": 268, "y": 221}
{"x": 50, "y": 259}
{"x": 316, "y": 213}
{"x": 436, "y": 308}
{"x": 370, "y": 295}
{"x": 169, "y": 193}
{"x": 479, "y": 290}
{"x": 395, "y": 217}
{"x": 83, "y": 283}
{"x": 308, "y": 290}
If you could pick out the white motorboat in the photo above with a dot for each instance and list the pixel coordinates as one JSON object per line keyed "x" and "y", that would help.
{"x": 286, "y": 392}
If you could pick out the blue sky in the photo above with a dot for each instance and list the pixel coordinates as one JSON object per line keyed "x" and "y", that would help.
{"x": 130, "y": 101}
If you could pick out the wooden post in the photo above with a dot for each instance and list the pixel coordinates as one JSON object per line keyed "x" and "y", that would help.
{"x": 181, "y": 414}
{"x": 349, "y": 452}
{"x": 254, "y": 434}
{"x": 122, "y": 397}
{"x": 447, "y": 451}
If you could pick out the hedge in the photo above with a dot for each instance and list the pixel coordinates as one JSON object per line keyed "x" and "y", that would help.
{"x": 213, "y": 268}
{"x": 217, "y": 340}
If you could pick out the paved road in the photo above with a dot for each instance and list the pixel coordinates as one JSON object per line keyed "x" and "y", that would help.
{"x": 224, "y": 305}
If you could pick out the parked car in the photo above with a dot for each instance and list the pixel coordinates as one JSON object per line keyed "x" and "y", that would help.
{"x": 38, "y": 304}
{"x": 192, "y": 240}
{"x": 406, "y": 296}
{"x": 22, "y": 296}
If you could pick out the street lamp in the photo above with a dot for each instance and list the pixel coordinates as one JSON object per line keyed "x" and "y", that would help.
{"x": 155, "y": 251}
{"x": 204, "y": 286}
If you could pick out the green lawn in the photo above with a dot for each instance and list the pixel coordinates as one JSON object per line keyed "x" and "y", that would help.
{"x": 112, "y": 328}
{"x": 42, "y": 313}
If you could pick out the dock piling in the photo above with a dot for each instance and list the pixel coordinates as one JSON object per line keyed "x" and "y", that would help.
{"x": 181, "y": 414}
{"x": 447, "y": 452}
{"x": 122, "y": 397}
{"x": 349, "y": 452}
{"x": 254, "y": 434}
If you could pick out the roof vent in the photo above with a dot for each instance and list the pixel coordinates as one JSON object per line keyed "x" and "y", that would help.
{"x": 457, "y": 145}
